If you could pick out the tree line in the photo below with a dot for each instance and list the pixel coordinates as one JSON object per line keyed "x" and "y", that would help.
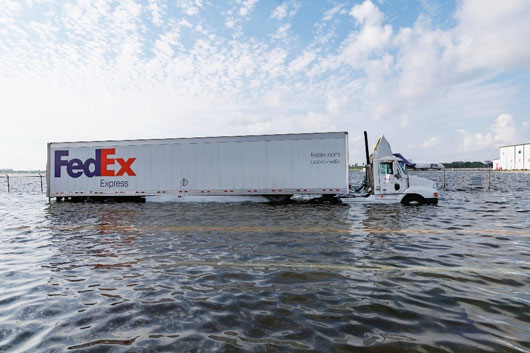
{"x": 461, "y": 164}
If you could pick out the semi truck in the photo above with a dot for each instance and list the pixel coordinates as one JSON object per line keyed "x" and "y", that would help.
{"x": 387, "y": 180}
{"x": 229, "y": 168}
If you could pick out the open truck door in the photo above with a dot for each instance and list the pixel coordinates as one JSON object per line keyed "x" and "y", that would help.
{"x": 392, "y": 180}
{"x": 387, "y": 175}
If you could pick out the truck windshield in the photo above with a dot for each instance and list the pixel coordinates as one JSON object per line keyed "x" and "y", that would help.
{"x": 402, "y": 167}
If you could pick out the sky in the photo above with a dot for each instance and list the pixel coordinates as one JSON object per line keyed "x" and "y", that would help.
{"x": 442, "y": 80}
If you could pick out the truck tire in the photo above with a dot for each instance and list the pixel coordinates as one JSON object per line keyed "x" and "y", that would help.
{"x": 413, "y": 200}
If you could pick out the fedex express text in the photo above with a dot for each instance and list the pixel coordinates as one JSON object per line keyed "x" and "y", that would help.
{"x": 102, "y": 165}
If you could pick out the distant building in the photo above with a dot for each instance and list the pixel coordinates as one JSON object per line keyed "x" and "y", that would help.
{"x": 513, "y": 157}
{"x": 496, "y": 164}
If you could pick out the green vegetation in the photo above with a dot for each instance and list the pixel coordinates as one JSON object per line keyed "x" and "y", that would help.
{"x": 450, "y": 165}
{"x": 461, "y": 164}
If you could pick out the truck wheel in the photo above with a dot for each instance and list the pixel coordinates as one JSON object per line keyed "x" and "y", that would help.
{"x": 412, "y": 200}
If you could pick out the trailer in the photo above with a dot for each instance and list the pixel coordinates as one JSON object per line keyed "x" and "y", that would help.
{"x": 270, "y": 167}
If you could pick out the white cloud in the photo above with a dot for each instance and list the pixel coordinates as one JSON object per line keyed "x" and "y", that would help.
{"x": 487, "y": 38}
{"x": 431, "y": 142}
{"x": 286, "y": 10}
{"x": 190, "y": 7}
{"x": 157, "y": 12}
{"x": 280, "y": 12}
{"x": 282, "y": 32}
{"x": 238, "y": 15}
{"x": 502, "y": 132}
{"x": 230, "y": 23}
{"x": 247, "y": 7}
{"x": 405, "y": 120}
{"x": 302, "y": 61}
{"x": 422, "y": 60}
{"x": 360, "y": 46}
{"x": 422, "y": 63}
{"x": 493, "y": 36}
{"x": 277, "y": 98}
{"x": 338, "y": 9}
{"x": 11, "y": 5}
{"x": 131, "y": 70}
{"x": 335, "y": 103}
{"x": 472, "y": 142}
{"x": 367, "y": 14}
{"x": 504, "y": 129}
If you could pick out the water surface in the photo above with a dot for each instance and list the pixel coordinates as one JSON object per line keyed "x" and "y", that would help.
{"x": 269, "y": 278}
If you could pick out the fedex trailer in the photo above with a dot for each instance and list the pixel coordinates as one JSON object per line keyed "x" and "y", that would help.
{"x": 268, "y": 167}
{"x": 235, "y": 168}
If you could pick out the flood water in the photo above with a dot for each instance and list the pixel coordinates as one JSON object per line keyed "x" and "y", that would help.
{"x": 168, "y": 277}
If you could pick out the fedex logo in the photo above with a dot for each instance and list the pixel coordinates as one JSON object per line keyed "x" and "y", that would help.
{"x": 92, "y": 167}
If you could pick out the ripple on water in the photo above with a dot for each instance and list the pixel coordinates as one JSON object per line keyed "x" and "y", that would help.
{"x": 253, "y": 277}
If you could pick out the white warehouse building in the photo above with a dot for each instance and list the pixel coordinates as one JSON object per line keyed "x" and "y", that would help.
{"x": 513, "y": 157}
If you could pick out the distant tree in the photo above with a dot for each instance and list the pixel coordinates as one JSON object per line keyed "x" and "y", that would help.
{"x": 461, "y": 164}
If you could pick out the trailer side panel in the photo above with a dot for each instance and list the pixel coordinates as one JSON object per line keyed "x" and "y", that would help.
{"x": 241, "y": 165}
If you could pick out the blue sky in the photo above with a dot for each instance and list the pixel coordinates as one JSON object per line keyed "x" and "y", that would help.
{"x": 443, "y": 81}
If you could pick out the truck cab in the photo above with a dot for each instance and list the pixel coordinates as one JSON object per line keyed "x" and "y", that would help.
{"x": 387, "y": 181}
{"x": 391, "y": 178}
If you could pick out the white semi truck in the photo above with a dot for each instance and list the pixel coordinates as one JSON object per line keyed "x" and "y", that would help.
{"x": 387, "y": 180}
{"x": 235, "y": 168}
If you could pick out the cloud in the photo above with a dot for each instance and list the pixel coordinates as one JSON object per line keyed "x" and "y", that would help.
{"x": 338, "y": 9}
{"x": 431, "y": 142}
{"x": 502, "y": 132}
{"x": 190, "y": 7}
{"x": 280, "y": 12}
{"x": 238, "y": 15}
{"x": 367, "y": 14}
{"x": 372, "y": 38}
{"x": 282, "y": 32}
{"x": 487, "y": 39}
{"x": 504, "y": 129}
{"x": 302, "y": 61}
{"x": 286, "y": 10}
{"x": 247, "y": 7}
{"x": 157, "y": 12}
{"x": 424, "y": 63}
{"x": 492, "y": 36}
{"x": 96, "y": 69}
